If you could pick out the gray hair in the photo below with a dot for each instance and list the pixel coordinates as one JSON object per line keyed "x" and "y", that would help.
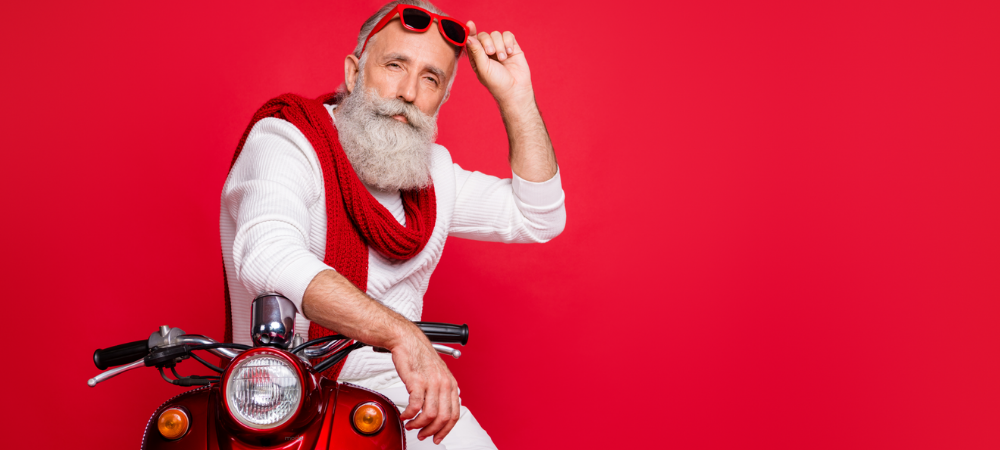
{"x": 369, "y": 24}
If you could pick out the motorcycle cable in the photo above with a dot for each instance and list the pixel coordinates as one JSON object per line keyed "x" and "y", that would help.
{"x": 317, "y": 341}
{"x": 205, "y": 363}
{"x": 221, "y": 345}
{"x": 185, "y": 381}
{"x": 205, "y": 377}
{"x": 337, "y": 357}
{"x": 211, "y": 366}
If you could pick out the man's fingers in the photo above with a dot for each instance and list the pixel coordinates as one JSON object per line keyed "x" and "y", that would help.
{"x": 508, "y": 42}
{"x": 429, "y": 413}
{"x": 442, "y": 419}
{"x": 422, "y": 420}
{"x": 487, "y": 43}
{"x": 455, "y": 415}
{"x": 416, "y": 402}
{"x": 472, "y": 27}
{"x": 433, "y": 391}
{"x": 499, "y": 45}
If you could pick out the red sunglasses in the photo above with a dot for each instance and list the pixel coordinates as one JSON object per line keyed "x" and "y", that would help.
{"x": 419, "y": 20}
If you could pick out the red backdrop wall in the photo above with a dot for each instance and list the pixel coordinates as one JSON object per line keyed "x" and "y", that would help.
{"x": 782, "y": 222}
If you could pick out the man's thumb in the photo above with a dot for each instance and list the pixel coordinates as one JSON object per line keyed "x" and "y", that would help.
{"x": 477, "y": 54}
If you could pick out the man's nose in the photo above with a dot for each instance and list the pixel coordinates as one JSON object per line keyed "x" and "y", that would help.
{"x": 407, "y": 89}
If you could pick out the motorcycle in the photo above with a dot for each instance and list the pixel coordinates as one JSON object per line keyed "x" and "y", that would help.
{"x": 267, "y": 396}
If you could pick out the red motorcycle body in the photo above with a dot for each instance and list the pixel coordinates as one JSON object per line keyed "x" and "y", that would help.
{"x": 270, "y": 395}
{"x": 326, "y": 426}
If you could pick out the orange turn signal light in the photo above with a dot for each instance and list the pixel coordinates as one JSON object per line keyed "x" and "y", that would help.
{"x": 173, "y": 423}
{"x": 368, "y": 418}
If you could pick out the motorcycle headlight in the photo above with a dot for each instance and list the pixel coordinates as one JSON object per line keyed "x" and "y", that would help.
{"x": 263, "y": 390}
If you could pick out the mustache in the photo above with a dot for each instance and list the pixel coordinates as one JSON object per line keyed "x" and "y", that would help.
{"x": 386, "y": 153}
{"x": 389, "y": 107}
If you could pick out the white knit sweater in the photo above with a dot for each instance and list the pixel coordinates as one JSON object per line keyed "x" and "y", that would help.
{"x": 273, "y": 230}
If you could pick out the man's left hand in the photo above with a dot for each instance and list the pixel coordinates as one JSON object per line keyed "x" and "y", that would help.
{"x": 499, "y": 64}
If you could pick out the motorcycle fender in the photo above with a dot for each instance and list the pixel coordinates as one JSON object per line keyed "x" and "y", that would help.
{"x": 331, "y": 430}
{"x": 199, "y": 435}
{"x": 339, "y": 433}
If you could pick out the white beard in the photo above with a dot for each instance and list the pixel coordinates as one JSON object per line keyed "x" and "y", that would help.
{"x": 386, "y": 154}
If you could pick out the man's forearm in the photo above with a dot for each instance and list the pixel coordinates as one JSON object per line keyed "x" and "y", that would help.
{"x": 531, "y": 155}
{"x": 335, "y": 303}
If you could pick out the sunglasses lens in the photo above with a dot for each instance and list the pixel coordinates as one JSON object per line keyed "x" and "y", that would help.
{"x": 454, "y": 30}
{"x": 415, "y": 18}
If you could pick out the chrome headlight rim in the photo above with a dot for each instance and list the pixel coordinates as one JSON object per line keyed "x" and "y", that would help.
{"x": 237, "y": 417}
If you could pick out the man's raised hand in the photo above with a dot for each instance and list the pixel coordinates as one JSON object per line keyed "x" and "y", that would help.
{"x": 499, "y": 64}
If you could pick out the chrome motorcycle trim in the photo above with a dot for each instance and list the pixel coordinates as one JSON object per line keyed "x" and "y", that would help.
{"x": 273, "y": 321}
{"x": 265, "y": 352}
{"x": 103, "y": 376}
{"x": 197, "y": 339}
{"x": 164, "y": 337}
{"x": 454, "y": 352}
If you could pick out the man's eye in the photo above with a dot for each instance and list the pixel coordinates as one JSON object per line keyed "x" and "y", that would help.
{"x": 433, "y": 80}
{"x": 394, "y": 65}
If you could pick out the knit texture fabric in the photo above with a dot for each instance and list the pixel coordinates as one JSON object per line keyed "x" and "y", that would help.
{"x": 273, "y": 228}
{"x": 355, "y": 219}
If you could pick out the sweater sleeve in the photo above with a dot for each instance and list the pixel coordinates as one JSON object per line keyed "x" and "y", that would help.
{"x": 509, "y": 210}
{"x": 269, "y": 193}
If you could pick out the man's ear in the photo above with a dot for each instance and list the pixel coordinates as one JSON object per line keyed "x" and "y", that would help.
{"x": 351, "y": 69}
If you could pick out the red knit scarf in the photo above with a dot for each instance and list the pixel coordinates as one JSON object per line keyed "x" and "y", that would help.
{"x": 355, "y": 220}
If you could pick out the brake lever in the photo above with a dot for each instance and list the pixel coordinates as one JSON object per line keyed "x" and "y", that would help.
{"x": 103, "y": 376}
{"x": 454, "y": 352}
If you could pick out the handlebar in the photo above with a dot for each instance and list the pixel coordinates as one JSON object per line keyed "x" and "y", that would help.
{"x": 120, "y": 354}
{"x": 136, "y": 354}
{"x": 445, "y": 333}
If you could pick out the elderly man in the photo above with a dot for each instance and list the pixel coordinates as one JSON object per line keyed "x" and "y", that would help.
{"x": 343, "y": 204}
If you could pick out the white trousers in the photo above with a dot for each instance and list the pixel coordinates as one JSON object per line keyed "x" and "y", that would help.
{"x": 467, "y": 433}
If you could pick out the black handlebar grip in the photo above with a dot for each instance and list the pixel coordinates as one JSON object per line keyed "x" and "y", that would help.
{"x": 120, "y": 354}
{"x": 445, "y": 333}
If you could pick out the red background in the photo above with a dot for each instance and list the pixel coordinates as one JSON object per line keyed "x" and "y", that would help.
{"x": 782, "y": 216}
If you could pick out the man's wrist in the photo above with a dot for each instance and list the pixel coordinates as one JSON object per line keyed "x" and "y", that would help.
{"x": 402, "y": 333}
{"x": 518, "y": 104}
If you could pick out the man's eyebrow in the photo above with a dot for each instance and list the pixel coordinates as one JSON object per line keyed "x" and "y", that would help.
{"x": 401, "y": 57}
{"x": 397, "y": 57}
{"x": 437, "y": 72}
